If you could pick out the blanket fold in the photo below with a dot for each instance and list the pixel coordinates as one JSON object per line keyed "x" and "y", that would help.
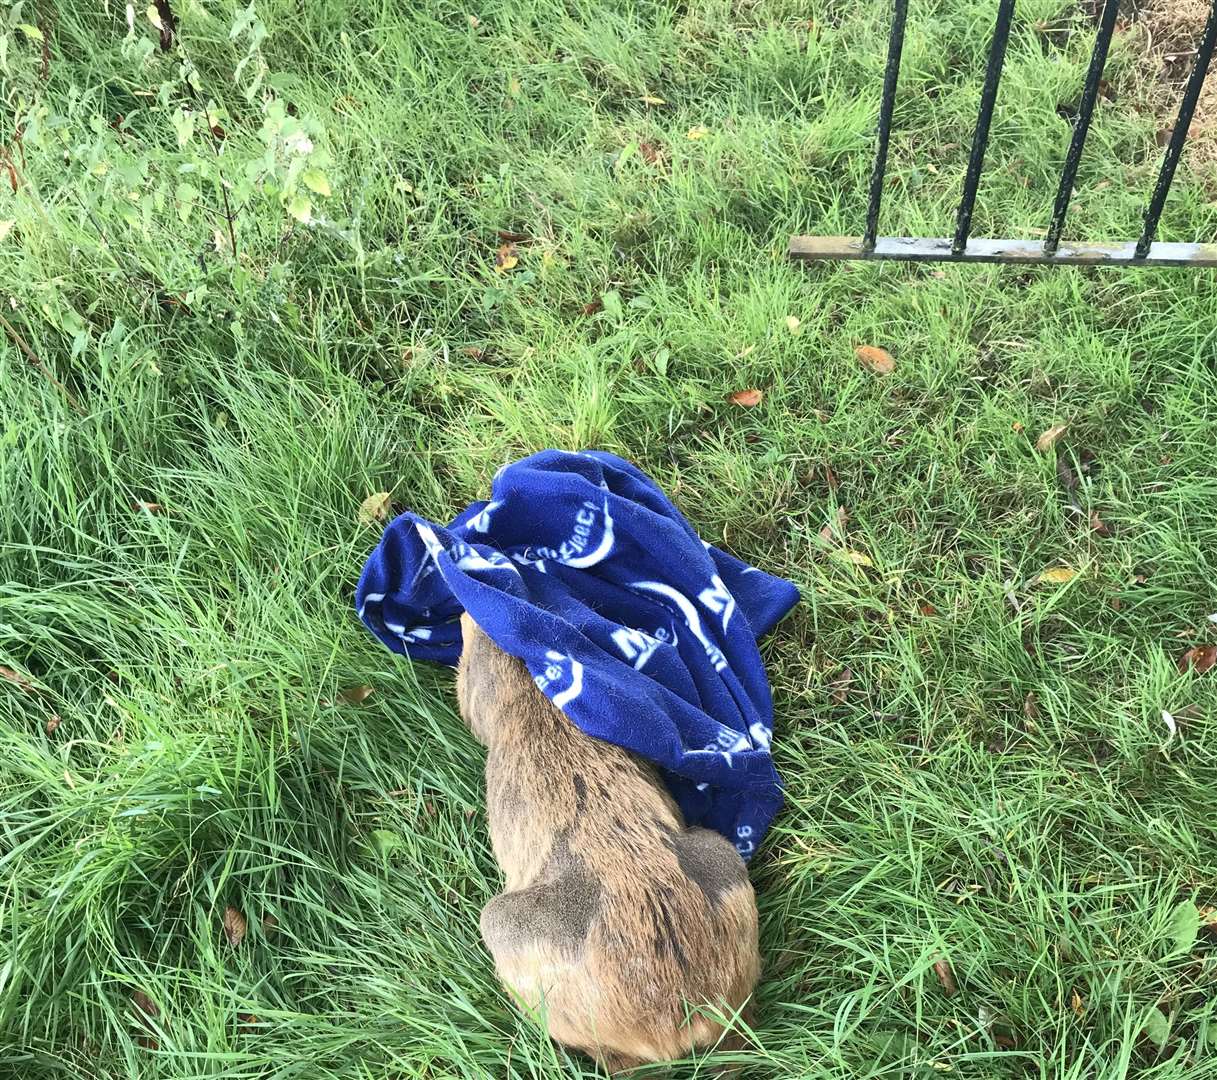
{"x": 642, "y": 633}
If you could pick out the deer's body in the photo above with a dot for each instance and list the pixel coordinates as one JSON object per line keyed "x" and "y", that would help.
{"x": 616, "y": 921}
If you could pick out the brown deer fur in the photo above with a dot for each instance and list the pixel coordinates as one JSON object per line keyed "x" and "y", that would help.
{"x": 615, "y": 921}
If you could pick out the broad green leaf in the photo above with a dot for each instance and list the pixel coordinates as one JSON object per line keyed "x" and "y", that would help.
{"x": 187, "y": 195}
{"x": 1156, "y": 1028}
{"x": 315, "y": 181}
{"x": 1183, "y": 927}
{"x": 386, "y": 841}
{"x": 301, "y": 209}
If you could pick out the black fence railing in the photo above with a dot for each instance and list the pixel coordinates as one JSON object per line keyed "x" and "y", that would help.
{"x": 1144, "y": 252}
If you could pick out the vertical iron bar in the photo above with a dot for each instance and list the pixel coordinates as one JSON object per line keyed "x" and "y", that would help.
{"x": 894, "y": 46}
{"x": 988, "y": 95}
{"x": 1081, "y": 126}
{"x": 1204, "y": 53}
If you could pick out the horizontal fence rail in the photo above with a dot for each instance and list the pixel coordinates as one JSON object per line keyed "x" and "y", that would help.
{"x": 1143, "y": 252}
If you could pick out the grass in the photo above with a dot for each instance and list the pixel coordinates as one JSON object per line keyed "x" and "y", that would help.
{"x": 991, "y": 782}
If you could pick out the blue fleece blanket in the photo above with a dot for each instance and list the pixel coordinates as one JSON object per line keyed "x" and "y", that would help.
{"x": 642, "y": 633}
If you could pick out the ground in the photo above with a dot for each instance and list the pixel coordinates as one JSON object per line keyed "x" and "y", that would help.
{"x": 251, "y": 280}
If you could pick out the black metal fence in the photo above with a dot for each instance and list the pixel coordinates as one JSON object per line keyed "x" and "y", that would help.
{"x": 1145, "y": 251}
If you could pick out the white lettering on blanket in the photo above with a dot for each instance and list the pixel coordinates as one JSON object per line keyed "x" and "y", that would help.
{"x": 571, "y": 551}
{"x": 718, "y": 599}
{"x": 480, "y": 522}
{"x": 466, "y": 557}
{"x": 554, "y": 672}
{"x": 637, "y": 645}
{"x": 692, "y": 619}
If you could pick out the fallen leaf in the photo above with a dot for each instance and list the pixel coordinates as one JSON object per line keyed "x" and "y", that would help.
{"x": 794, "y": 325}
{"x": 234, "y": 926}
{"x": 946, "y": 976}
{"x": 1078, "y": 1003}
{"x": 928, "y": 609}
{"x": 1031, "y": 708}
{"x": 247, "y": 1023}
{"x": 506, "y": 258}
{"x": 746, "y": 398}
{"x": 651, "y": 99}
{"x": 1048, "y": 439}
{"x": 356, "y": 695}
{"x": 1183, "y": 928}
{"x": 1157, "y": 1028}
{"x": 270, "y": 926}
{"x": 374, "y": 508}
{"x": 854, "y": 558}
{"x": 512, "y": 237}
{"x": 649, "y": 152}
{"x": 53, "y": 722}
{"x": 698, "y": 132}
{"x": 145, "y": 1012}
{"x": 836, "y": 526}
{"x": 1016, "y": 427}
{"x": 1066, "y": 475}
{"x": 1098, "y": 525}
{"x": 146, "y": 507}
{"x": 16, "y": 678}
{"x": 875, "y": 359}
{"x": 1199, "y": 658}
{"x": 1056, "y": 575}
{"x": 839, "y": 686}
{"x": 595, "y": 307}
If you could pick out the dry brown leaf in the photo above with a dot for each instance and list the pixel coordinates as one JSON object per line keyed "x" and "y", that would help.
{"x": 355, "y": 695}
{"x": 928, "y": 609}
{"x": 247, "y": 1023}
{"x": 835, "y": 526}
{"x": 746, "y": 398}
{"x": 234, "y": 926}
{"x": 1199, "y": 658}
{"x": 650, "y": 152}
{"x": 1016, "y": 427}
{"x": 1078, "y": 1003}
{"x": 53, "y": 722}
{"x": 1048, "y": 439}
{"x": 839, "y": 686}
{"x": 1098, "y": 525}
{"x": 594, "y": 307}
{"x": 875, "y": 359}
{"x": 375, "y": 508}
{"x": 1056, "y": 575}
{"x": 512, "y": 237}
{"x": 16, "y": 678}
{"x": 270, "y": 926}
{"x": 146, "y": 507}
{"x": 145, "y": 1012}
{"x": 946, "y": 976}
{"x": 506, "y": 258}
